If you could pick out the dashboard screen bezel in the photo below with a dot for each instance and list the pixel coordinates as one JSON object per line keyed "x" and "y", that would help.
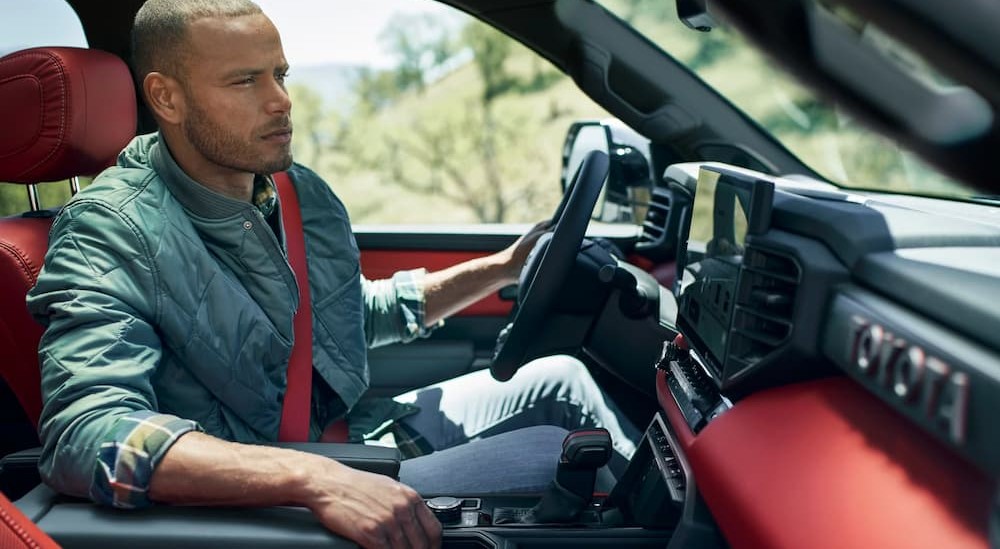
{"x": 757, "y": 204}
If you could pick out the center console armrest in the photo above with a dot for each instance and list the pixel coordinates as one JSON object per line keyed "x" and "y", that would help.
{"x": 374, "y": 459}
{"x": 83, "y": 525}
{"x": 19, "y": 472}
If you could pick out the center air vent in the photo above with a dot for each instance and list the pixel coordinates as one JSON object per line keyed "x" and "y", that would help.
{"x": 765, "y": 303}
{"x": 655, "y": 236}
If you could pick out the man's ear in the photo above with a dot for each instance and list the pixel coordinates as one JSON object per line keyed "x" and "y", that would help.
{"x": 164, "y": 96}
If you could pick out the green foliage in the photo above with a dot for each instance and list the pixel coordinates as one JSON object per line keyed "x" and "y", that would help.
{"x": 712, "y": 46}
{"x": 14, "y": 198}
{"x": 490, "y": 50}
{"x": 802, "y": 115}
{"x": 376, "y": 89}
{"x": 475, "y": 138}
{"x": 419, "y": 43}
{"x": 634, "y": 10}
{"x": 468, "y": 125}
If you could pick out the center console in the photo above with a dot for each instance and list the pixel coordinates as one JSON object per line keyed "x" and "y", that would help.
{"x": 654, "y": 504}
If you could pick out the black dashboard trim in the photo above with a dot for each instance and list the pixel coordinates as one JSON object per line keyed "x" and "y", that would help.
{"x": 954, "y": 295}
{"x": 955, "y": 356}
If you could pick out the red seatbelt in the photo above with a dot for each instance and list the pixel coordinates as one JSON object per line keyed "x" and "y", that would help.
{"x": 298, "y": 391}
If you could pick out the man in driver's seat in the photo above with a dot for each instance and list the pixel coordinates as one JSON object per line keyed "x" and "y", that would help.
{"x": 168, "y": 305}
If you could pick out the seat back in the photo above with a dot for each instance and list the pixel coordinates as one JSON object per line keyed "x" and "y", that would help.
{"x": 66, "y": 112}
{"x": 22, "y": 248}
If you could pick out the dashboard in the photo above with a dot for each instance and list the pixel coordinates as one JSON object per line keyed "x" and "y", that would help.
{"x": 826, "y": 365}
{"x": 810, "y": 282}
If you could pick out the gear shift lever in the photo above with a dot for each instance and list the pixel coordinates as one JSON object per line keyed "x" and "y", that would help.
{"x": 584, "y": 452}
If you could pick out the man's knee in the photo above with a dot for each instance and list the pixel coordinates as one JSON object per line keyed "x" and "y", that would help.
{"x": 562, "y": 371}
{"x": 558, "y": 367}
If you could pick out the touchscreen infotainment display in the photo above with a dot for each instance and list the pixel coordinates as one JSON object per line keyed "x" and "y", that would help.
{"x": 728, "y": 205}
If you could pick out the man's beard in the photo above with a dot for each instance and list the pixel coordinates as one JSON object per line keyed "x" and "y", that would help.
{"x": 222, "y": 148}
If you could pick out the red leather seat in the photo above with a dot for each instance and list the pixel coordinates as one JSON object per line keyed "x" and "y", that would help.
{"x": 66, "y": 112}
{"x": 17, "y": 532}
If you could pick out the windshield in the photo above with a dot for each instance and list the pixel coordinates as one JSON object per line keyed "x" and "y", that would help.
{"x": 824, "y": 137}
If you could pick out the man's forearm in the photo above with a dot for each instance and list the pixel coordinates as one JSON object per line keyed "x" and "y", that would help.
{"x": 371, "y": 509}
{"x": 203, "y": 470}
{"x": 450, "y": 290}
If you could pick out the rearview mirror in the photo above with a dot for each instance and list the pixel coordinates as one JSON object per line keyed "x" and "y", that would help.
{"x": 625, "y": 196}
{"x": 695, "y": 14}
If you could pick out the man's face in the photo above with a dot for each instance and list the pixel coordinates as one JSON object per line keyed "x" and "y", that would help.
{"x": 237, "y": 112}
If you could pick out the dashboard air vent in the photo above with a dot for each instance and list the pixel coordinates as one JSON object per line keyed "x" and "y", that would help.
{"x": 765, "y": 303}
{"x": 654, "y": 228}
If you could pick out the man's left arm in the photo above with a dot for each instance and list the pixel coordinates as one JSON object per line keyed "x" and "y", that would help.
{"x": 450, "y": 290}
{"x": 411, "y": 303}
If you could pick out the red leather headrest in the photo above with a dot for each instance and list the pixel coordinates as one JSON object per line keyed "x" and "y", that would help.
{"x": 65, "y": 112}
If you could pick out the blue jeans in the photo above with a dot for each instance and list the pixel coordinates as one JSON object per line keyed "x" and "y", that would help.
{"x": 490, "y": 436}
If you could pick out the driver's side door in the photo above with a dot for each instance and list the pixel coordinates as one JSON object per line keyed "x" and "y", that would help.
{"x": 465, "y": 342}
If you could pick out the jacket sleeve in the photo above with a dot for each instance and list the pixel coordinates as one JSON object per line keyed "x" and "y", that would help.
{"x": 98, "y": 298}
{"x": 394, "y": 308}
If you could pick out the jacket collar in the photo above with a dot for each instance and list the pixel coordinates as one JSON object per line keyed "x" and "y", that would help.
{"x": 199, "y": 199}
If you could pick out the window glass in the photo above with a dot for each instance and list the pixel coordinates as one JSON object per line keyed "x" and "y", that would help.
{"x": 38, "y": 23}
{"x": 824, "y": 137}
{"x": 27, "y": 25}
{"x": 416, "y": 113}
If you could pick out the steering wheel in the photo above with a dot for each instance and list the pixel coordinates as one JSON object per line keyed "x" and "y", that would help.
{"x": 548, "y": 265}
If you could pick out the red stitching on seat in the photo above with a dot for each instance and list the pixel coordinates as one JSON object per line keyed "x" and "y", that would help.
{"x": 22, "y": 260}
{"x": 63, "y": 95}
{"x": 19, "y": 530}
{"x": 41, "y": 112}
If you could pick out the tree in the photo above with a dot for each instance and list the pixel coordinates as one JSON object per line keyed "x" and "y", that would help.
{"x": 375, "y": 89}
{"x": 434, "y": 158}
{"x": 632, "y": 10}
{"x": 419, "y": 43}
{"x": 490, "y": 50}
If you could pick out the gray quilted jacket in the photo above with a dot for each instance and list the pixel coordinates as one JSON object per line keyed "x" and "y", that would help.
{"x": 168, "y": 307}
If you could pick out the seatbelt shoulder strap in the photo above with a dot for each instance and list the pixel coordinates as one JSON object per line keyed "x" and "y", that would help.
{"x": 298, "y": 390}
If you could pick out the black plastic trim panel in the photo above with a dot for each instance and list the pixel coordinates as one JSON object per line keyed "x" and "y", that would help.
{"x": 471, "y": 238}
{"x": 85, "y": 525}
{"x": 374, "y": 459}
{"x": 956, "y": 286}
{"x": 927, "y": 395}
{"x": 853, "y": 230}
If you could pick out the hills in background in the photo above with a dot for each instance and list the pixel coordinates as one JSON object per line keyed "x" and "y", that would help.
{"x": 333, "y": 82}
{"x": 442, "y": 152}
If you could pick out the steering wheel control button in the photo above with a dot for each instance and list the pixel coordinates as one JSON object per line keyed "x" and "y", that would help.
{"x": 447, "y": 509}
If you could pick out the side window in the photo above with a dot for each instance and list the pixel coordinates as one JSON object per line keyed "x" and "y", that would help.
{"x": 28, "y": 25}
{"x": 39, "y": 23}
{"x": 416, "y": 113}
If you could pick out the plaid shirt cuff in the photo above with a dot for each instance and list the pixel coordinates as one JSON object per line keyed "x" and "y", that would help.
{"x": 130, "y": 453}
{"x": 412, "y": 305}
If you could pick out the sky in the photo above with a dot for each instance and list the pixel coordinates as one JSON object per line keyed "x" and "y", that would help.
{"x": 349, "y": 37}
{"x": 38, "y": 23}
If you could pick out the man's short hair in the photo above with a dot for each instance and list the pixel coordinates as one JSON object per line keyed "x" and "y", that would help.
{"x": 159, "y": 31}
